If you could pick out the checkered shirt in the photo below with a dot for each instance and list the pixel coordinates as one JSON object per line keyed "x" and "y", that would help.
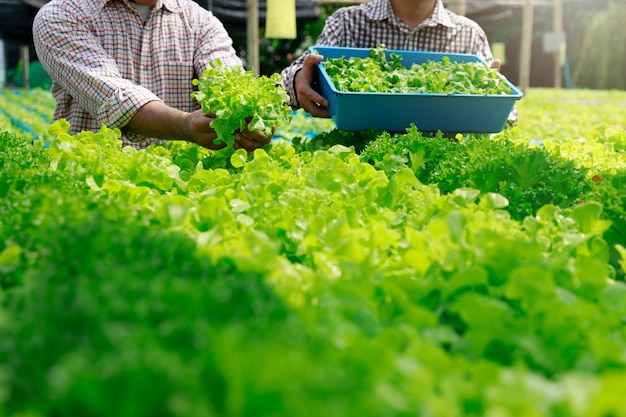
{"x": 106, "y": 63}
{"x": 366, "y": 25}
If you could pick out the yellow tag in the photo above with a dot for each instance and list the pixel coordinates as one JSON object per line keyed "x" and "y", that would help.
{"x": 280, "y": 21}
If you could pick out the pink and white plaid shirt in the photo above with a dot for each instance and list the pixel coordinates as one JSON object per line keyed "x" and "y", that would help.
{"x": 106, "y": 63}
{"x": 366, "y": 25}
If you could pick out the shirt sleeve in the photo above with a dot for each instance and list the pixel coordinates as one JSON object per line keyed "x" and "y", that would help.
{"x": 289, "y": 76}
{"x": 479, "y": 43}
{"x": 70, "y": 52}
{"x": 332, "y": 34}
{"x": 480, "y": 46}
{"x": 214, "y": 43}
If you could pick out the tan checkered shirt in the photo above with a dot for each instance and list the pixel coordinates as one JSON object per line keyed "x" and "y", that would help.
{"x": 366, "y": 25}
{"x": 106, "y": 63}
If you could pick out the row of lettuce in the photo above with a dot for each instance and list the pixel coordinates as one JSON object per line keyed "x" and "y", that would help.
{"x": 351, "y": 274}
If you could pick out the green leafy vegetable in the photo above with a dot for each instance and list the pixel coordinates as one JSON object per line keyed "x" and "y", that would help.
{"x": 409, "y": 279}
{"x": 241, "y": 101}
{"x": 378, "y": 74}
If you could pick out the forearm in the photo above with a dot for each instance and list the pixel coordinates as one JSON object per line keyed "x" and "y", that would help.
{"x": 157, "y": 120}
{"x": 289, "y": 75}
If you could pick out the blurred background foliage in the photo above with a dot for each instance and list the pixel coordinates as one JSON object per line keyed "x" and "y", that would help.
{"x": 602, "y": 57}
{"x": 596, "y": 51}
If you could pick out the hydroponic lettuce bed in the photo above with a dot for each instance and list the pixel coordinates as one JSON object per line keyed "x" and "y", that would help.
{"x": 417, "y": 276}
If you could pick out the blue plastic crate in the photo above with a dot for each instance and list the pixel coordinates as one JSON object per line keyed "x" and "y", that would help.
{"x": 394, "y": 112}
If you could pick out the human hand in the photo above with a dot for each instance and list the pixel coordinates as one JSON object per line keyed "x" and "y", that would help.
{"x": 309, "y": 99}
{"x": 201, "y": 133}
{"x": 200, "y": 130}
{"x": 251, "y": 139}
{"x": 496, "y": 64}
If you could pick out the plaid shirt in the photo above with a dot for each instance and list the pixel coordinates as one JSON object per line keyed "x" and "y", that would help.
{"x": 366, "y": 25}
{"x": 106, "y": 63}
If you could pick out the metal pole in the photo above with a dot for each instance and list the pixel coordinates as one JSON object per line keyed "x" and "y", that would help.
{"x": 252, "y": 33}
{"x": 557, "y": 17}
{"x": 3, "y": 69}
{"x": 526, "y": 48}
{"x": 25, "y": 55}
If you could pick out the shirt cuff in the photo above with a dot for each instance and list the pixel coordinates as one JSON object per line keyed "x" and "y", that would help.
{"x": 120, "y": 108}
{"x": 289, "y": 77}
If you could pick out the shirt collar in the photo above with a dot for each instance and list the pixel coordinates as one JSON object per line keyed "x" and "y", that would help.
{"x": 381, "y": 10}
{"x": 171, "y": 5}
{"x": 440, "y": 16}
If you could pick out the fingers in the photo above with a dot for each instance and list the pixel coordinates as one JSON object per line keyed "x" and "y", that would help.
{"x": 241, "y": 141}
{"x": 315, "y": 104}
{"x": 496, "y": 64}
{"x": 312, "y": 101}
{"x": 308, "y": 66}
{"x": 309, "y": 99}
{"x": 209, "y": 143}
{"x": 250, "y": 140}
{"x": 204, "y": 135}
